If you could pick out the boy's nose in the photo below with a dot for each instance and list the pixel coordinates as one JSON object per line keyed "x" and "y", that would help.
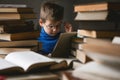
{"x": 54, "y": 29}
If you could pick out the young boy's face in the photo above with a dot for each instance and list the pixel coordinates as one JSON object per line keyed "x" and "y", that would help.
{"x": 52, "y": 27}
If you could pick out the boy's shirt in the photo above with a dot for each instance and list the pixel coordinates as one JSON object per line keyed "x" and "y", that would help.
{"x": 48, "y": 42}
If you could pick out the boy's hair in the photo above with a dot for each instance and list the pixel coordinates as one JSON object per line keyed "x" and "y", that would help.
{"x": 51, "y": 11}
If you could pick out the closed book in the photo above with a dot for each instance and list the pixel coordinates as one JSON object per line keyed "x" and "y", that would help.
{"x": 19, "y": 36}
{"x": 13, "y": 22}
{"x": 108, "y": 34}
{"x": 20, "y": 43}
{"x": 16, "y": 28}
{"x": 15, "y": 10}
{"x": 99, "y": 25}
{"x": 98, "y": 16}
{"x": 100, "y": 6}
{"x": 17, "y": 16}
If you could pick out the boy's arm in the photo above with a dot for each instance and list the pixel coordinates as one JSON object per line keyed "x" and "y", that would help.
{"x": 68, "y": 27}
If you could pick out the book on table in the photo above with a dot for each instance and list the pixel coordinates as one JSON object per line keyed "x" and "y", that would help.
{"x": 24, "y": 61}
{"x": 28, "y": 61}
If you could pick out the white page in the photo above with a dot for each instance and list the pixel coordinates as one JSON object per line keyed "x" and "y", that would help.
{"x": 116, "y": 40}
{"x": 4, "y": 64}
{"x": 26, "y": 58}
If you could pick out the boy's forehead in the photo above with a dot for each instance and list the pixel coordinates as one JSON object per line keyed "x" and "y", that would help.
{"x": 53, "y": 22}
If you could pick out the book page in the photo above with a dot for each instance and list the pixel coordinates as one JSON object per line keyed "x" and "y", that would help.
{"x": 7, "y": 66}
{"x": 25, "y": 59}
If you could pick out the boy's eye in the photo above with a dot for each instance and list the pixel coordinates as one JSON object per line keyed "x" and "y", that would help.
{"x": 51, "y": 26}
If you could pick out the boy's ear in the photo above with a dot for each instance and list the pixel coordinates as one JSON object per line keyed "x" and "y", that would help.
{"x": 40, "y": 22}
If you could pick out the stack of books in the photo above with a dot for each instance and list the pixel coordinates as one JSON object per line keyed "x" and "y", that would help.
{"x": 98, "y": 11}
{"x": 77, "y": 49}
{"x": 106, "y": 60}
{"x": 96, "y": 20}
{"x": 17, "y": 31}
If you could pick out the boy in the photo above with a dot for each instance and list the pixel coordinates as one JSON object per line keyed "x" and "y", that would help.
{"x": 51, "y": 16}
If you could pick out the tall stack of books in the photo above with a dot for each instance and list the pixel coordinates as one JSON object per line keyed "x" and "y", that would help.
{"x": 17, "y": 29}
{"x": 97, "y": 20}
{"x": 106, "y": 60}
{"x": 98, "y": 25}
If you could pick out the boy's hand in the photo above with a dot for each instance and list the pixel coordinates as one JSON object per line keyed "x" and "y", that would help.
{"x": 68, "y": 27}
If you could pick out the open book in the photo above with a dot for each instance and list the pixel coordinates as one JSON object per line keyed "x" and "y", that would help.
{"x": 28, "y": 61}
{"x": 24, "y": 61}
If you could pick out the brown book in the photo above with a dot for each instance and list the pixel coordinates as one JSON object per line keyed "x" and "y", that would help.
{"x": 15, "y": 10}
{"x": 19, "y": 36}
{"x": 80, "y": 55}
{"x": 17, "y": 16}
{"x": 98, "y": 25}
{"x": 97, "y": 34}
{"x": 97, "y": 6}
{"x": 16, "y": 28}
{"x": 77, "y": 40}
{"x": 13, "y": 22}
{"x": 98, "y": 16}
{"x": 20, "y": 43}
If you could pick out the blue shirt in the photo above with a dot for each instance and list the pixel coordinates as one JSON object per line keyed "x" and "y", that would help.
{"x": 48, "y": 42}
